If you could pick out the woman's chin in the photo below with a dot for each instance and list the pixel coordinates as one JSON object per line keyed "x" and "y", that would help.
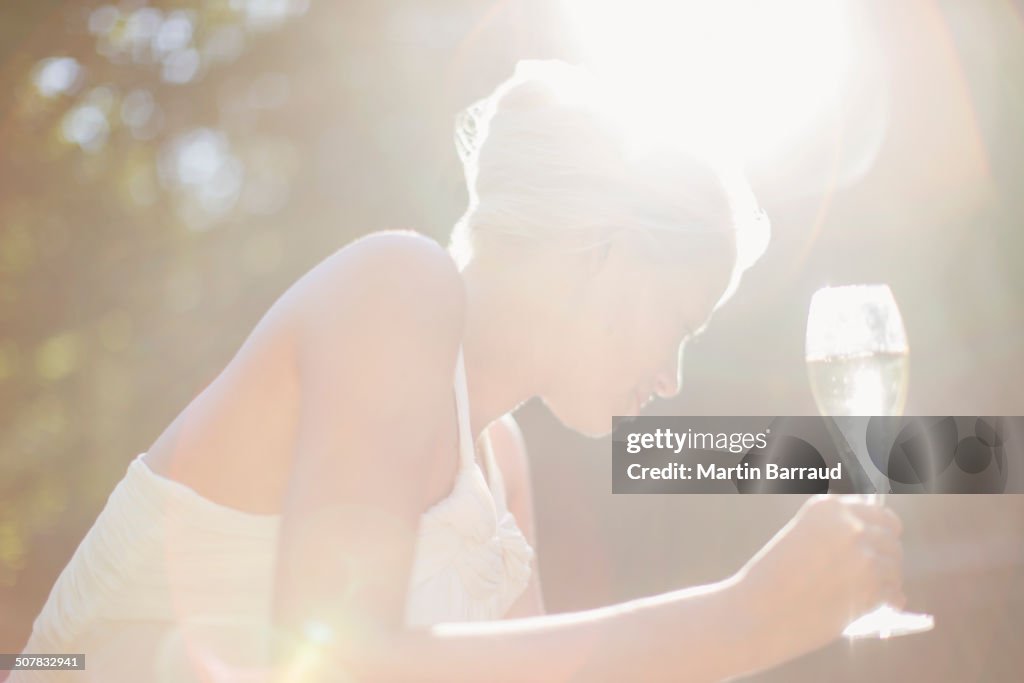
{"x": 593, "y": 424}
{"x": 595, "y": 431}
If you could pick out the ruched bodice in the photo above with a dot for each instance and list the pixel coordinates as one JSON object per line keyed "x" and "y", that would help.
{"x": 471, "y": 559}
{"x": 164, "y": 572}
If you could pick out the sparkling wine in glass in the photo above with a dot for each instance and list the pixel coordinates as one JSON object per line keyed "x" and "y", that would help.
{"x": 857, "y": 357}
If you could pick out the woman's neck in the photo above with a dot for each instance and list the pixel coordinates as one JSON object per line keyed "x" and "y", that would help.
{"x": 501, "y": 342}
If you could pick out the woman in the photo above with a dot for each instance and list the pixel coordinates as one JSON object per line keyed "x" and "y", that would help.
{"x": 322, "y": 500}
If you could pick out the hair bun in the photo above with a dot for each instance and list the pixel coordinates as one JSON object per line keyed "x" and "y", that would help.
{"x": 534, "y": 84}
{"x": 470, "y": 130}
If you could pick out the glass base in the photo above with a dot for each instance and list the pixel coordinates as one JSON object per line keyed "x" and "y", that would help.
{"x": 887, "y": 622}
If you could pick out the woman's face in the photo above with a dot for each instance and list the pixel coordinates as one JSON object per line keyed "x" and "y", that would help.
{"x": 624, "y": 334}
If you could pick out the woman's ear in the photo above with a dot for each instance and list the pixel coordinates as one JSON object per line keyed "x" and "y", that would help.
{"x": 580, "y": 269}
{"x": 620, "y": 249}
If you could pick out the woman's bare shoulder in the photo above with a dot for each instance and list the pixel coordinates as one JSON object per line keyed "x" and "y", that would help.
{"x": 374, "y": 326}
{"x": 377, "y": 329}
{"x": 375, "y": 296}
{"x": 382, "y": 268}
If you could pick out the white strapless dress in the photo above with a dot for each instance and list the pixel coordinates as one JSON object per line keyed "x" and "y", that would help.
{"x": 167, "y": 583}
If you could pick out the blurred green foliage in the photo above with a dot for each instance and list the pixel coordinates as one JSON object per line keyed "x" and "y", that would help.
{"x": 167, "y": 169}
{"x": 132, "y": 135}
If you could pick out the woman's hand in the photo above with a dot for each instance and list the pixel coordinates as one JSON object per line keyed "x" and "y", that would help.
{"x": 838, "y": 558}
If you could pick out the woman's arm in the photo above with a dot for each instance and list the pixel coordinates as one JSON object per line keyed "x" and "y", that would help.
{"x": 380, "y": 329}
{"x": 698, "y": 634}
{"x": 377, "y": 327}
{"x": 835, "y": 560}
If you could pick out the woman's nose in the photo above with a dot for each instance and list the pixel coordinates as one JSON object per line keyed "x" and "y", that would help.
{"x": 669, "y": 381}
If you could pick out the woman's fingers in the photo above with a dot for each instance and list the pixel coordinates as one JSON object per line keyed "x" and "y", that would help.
{"x": 874, "y": 514}
{"x": 843, "y": 550}
{"x": 882, "y": 578}
{"x": 882, "y": 542}
{"x": 895, "y": 597}
{"x": 875, "y": 532}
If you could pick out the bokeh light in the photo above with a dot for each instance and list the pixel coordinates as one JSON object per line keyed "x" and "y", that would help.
{"x": 748, "y": 75}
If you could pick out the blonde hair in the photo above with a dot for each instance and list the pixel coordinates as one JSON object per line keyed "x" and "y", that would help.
{"x": 548, "y": 159}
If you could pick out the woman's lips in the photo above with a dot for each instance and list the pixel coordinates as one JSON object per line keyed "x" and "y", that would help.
{"x": 637, "y": 400}
{"x": 645, "y": 396}
{"x": 640, "y": 399}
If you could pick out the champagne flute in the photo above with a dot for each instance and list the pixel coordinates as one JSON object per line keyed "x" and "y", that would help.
{"x": 857, "y": 356}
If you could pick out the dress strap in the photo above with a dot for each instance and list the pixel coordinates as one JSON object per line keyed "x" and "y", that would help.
{"x": 466, "y": 451}
{"x": 494, "y": 477}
